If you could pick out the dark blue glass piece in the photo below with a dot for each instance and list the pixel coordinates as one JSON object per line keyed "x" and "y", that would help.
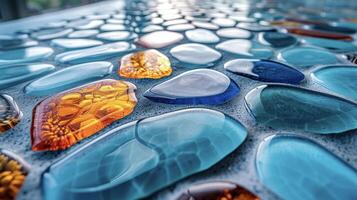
{"x": 331, "y": 28}
{"x": 200, "y": 86}
{"x": 341, "y": 79}
{"x": 290, "y": 107}
{"x": 265, "y": 70}
{"x": 277, "y": 39}
{"x": 139, "y": 158}
{"x": 297, "y": 168}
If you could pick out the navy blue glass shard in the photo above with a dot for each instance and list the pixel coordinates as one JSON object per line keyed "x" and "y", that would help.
{"x": 265, "y": 70}
{"x": 335, "y": 29}
{"x": 200, "y": 86}
{"x": 139, "y": 158}
{"x": 288, "y": 107}
{"x": 297, "y": 168}
{"x": 277, "y": 39}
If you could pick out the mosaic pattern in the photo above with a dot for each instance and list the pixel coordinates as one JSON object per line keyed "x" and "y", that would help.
{"x": 13, "y": 171}
{"x": 139, "y": 158}
{"x": 10, "y": 113}
{"x": 66, "y": 118}
{"x": 145, "y": 64}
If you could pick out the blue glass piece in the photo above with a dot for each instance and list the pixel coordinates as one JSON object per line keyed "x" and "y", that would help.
{"x": 265, "y": 70}
{"x": 307, "y": 57}
{"x": 75, "y": 43}
{"x": 245, "y": 49}
{"x": 347, "y": 24}
{"x": 333, "y": 28}
{"x": 67, "y": 78}
{"x": 255, "y": 27}
{"x": 297, "y": 168}
{"x": 29, "y": 54}
{"x": 15, "y": 74}
{"x": 49, "y": 34}
{"x": 202, "y": 36}
{"x": 341, "y": 79}
{"x": 193, "y": 55}
{"x": 234, "y": 33}
{"x": 180, "y": 27}
{"x": 333, "y": 45}
{"x": 83, "y": 33}
{"x": 277, "y": 39}
{"x": 6, "y": 40}
{"x": 200, "y": 86}
{"x": 117, "y": 36}
{"x": 95, "y": 53}
{"x": 290, "y": 107}
{"x": 137, "y": 159}
{"x": 25, "y": 44}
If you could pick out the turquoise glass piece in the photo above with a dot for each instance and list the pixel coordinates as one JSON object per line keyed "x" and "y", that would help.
{"x": 290, "y": 107}
{"x": 117, "y": 36}
{"x": 277, "y": 39}
{"x": 202, "y": 36}
{"x": 234, "y": 33}
{"x": 29, "y": 54}
{"x": 75, "y": 43}
{"x": 265, "y": 70}
{"x": 83, "y": 33}
{"x": 307, "y": 57}
{"x": 245, "y": 49}
{"x": 297, "y": 168}
{"x": 341, "y": 79}
{"x": 333, "y": 45}
{"x": 69, "y": 77}
{"x": 15, "y": 74}
{"x": 199, "y": 86}
{"x": 95, "y": 53}
{"x": 142, "y": 157}
{"x": 49, "y": 34}
{"x": 12, "y": 39}
{"x": 193, "y": 55}
{"x": 25, "y": 44}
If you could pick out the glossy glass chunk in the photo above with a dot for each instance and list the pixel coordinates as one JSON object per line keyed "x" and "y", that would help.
{"x": 218, "y": 191}
{"x": 224, "y": 22}
{"x": 30, "y": 54}
{"x": 254, "y": 27}
{"x": 180, "y": 27}
{"x": 83, "y": 33}
{"x": 234, "y": 33}
{"x": 319, "y": 34}
{"x": 95, "y": 53}
{"x": 10, "y": 113}
{"x": 265, "y": 70}
{"x": 139, "y": 158}
{"x": 49, "y": 34}
{"x": 333, "y": 28}
{"x": 84, "y": 24}
{"x": 75, "y": 43}
{"x": 200, "y": 86}
{"x": 341, "y": 79}
{"x": 205, "y": 25}
{"x": 296, "y": 168}
{"x": 12, "y": 39}
{"x": 245, "y": 49}
{"x": 68, "y": 77}
{"x": 13, "y": 172}
{"x": 277, "y": 39}
{"x": 62, "y": 120}
{"x": 145, "y": 64}
{"x": 15, "y": 74}
{"x": 307, "y": 57}
{"x": 26, "y": 43}
{"x": 202, "y": 36}
{"x": 117, "y": 36}
{"x": 193, "y": 55}
{"x": 289, "y": 107}
{"x": 113, "y": 27}
{"x": 333, "y": 45}
{"x": 159, "y": 39}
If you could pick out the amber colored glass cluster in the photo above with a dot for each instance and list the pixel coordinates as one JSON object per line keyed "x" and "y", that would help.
{"x": 12, "y": 176}
{"x": 145, "y": 64}
{"x": 10, "y": 114}
{"x": 64, "y": 119}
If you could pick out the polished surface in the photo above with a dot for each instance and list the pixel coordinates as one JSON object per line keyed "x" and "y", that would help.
{"x": 10, "y": 113}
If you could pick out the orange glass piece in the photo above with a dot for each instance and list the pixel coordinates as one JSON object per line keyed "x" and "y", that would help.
{"x": 319, "y": 34}
{"x": 68, "y": 117}
{"x": 12, "y": 175}
{"x": 145, "y": 64}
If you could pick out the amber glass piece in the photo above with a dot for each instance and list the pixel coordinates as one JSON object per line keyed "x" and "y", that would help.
{"x": 319, "y": 34}
{"x": 10, "y": 114}
{"x": 68, "y": 117}
{"x": 13, "y": 172}
{"x": 145, "y": 64}
{"x": 218, "y": 191}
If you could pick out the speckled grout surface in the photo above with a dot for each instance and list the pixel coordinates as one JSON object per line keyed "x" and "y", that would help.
{"x": 238, "y": 167}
